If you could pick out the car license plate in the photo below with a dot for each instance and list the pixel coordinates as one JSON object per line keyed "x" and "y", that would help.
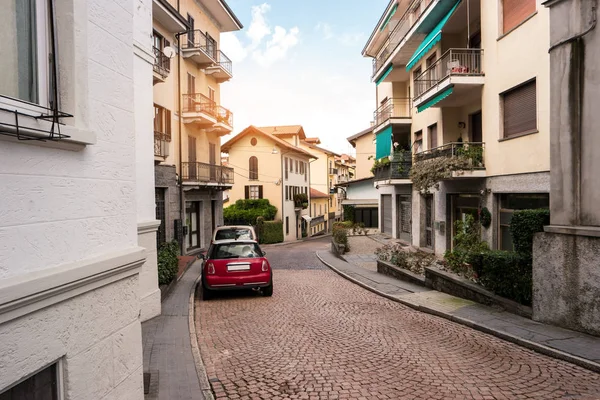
{"x": 238, "y": 267}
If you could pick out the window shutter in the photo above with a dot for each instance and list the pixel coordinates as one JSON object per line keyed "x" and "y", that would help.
{"x": 516, "y": 11}
{"x": 286, "y": 168}
{"x": 260, "y": 192}
{"x": 168, "y": 124}
{"x": 246, "y": 192}
{"x": 520, "y": 110}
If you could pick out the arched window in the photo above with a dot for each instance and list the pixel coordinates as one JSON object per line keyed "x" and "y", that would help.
{"x": 253, "y": 168}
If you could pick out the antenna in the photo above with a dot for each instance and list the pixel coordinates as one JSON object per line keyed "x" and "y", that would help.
{"x": 169, "y": 52}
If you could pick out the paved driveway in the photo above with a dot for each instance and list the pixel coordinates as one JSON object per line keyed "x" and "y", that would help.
{"x": 322, "y": 337}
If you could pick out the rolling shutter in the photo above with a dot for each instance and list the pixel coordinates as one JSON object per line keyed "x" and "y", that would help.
{"x": 246, "y": 192}
{"x": 260, "y": 192}
{"x": 520, "y": 106}
{"x": 516, "y": 11}
{"x": 386, "y": 209}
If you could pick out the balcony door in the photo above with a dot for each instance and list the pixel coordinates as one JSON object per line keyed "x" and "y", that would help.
{"x": 191, "y": 33}
{"x": 192, "y": 158}
{"x": 212, "y": 160}
{"x": 191, "y": 89}
{"x": 476, "y": 127}
{"x": 404, "y": 210}
{"x": 192, "y": 211}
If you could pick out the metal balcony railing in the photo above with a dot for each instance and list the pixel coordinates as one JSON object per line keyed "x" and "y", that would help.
{"x": 161, "y": 144}
{"x": 162, "y": 63}
{"x": 472, "y": 151}
{"x": 224, "y": 115}
{"x": 224, "y": 62}
{"x": 206, "y": 173}
{"x": 453, "y": 62}
{"x": 410, "y": 17}
{"x": 397, "y": 169}
{"x": 392, "y": 108}
{"x": 197, "y": 39}
{"x": 197, "y": 102}
{"x": 333, "y": 171}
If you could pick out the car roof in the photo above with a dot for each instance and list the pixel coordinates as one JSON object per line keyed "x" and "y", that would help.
{"x": 240, "y": 241}
{"x": 233, "y": 227}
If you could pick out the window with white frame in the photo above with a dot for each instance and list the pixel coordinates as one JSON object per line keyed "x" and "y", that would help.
{"x": 24, "y": 29}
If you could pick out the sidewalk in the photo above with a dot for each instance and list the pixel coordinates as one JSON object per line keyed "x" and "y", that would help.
{"x": 571, "y": 346}
{"x": 167, "y": 348}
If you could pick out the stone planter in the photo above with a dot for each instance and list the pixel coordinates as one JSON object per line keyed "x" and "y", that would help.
{"x": 388, "y": 269}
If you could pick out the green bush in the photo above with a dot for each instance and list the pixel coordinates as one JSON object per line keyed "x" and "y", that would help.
{"x": 524, "y": 224}
{"x": 272, "y": 232}
{"x": 245, "y": 212}
{"x": 508, "y": 274}
{"x": 468, "y": 247}
{"x": 340, "y": 236}
{"x": 349, "y": 212}
{"x": 168, "y": 264}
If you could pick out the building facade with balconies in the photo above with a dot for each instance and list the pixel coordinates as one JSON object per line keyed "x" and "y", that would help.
{"x": 475, "y": 76}
{"x": 189, "y": 119}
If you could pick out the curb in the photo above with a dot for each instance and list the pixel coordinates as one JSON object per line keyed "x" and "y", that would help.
{"x": 296, "y": 241}
{"x": 539, "y": 348}
{"x": 205, "y": 388}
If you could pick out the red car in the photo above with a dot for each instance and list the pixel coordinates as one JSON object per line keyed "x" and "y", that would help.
{"x": 234, "y": 265}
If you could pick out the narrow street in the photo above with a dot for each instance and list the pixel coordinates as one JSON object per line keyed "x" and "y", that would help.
{"x": 323, "y": 337}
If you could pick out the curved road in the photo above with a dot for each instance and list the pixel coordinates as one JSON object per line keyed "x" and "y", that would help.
{"x": 322, "y": 337}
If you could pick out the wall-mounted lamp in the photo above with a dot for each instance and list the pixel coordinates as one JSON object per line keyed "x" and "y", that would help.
{"x": 485, "y": 191}
{"x": 274, "y": 151}
{"x": 462, "y": 125}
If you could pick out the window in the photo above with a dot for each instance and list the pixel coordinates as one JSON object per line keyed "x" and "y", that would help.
{"x": 287, "y": 225}
{"x": 514, "y": 12}
{"x": 40, "y": 386}
{"x": 291, "y": 165}
{"x": 429, "y": 221}
{"x": 509, "y": 203}
{"x": 433, "y": 136}
{"x": 191, "y": 33}
{"x": 253, "y": 141}
{"x": 416, "y": 73}
{"x": 253, "y": 192}
{"x": 301, "y": 168}
{"x": 287, "y": 193}
{"x": 162, "y": 122}
{"x": 253, "y": 168}
{"x": 25, "y": 53}
{"x": 418, "y": 146}
{"x": 296, "y": 166}
{"x": 519, "y": 109}
{"x": 305, "y": 172}
{"x": 286, "y": 168}
{"x": 211, "y": 94}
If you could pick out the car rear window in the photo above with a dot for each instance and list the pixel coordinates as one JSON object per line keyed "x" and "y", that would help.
{"x": 224, "y": 234}
{"x": 235, "y": 250}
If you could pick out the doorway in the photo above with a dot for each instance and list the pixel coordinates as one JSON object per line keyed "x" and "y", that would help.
{"x": 462, "y": 206}
{"x": 404, "y": 220}
{"x": 476, "y": 125}
{"x": 213, "y": 214}
{"x": 192, "y": 211}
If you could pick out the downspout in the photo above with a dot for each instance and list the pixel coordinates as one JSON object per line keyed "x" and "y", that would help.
{"x": 181, "y": 198}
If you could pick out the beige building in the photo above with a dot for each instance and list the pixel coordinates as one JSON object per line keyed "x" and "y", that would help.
{"x": 319, "y": 205}
{"x": 190, "y": 118}
{"x": 460, "y": 78}
{"x": 269, "y": 167}
{"x": 364, "y": 144}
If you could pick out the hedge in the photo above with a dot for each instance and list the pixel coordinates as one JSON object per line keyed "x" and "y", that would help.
{"x": 272, "y": 232}
{"x": 168, "y": 264}
{"x": 349, "y": 211}
{"x": 245, "y": 212}
{"x": 524, "y": 224}
{"x": 508, "y": 274}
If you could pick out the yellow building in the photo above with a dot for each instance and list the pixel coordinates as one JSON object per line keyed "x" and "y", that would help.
{"x": 319, "y": 205}
{"x": 189, "y": 118}
{"x": 269, "y": 167}
{"x": 364, "y": 143}
{"x": 460, "y": 78}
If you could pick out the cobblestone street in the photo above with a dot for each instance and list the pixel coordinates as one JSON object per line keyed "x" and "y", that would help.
{"x": 323, "y": 337}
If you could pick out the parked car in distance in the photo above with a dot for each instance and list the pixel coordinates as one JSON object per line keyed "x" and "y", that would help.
{"x": 236, "y": 265}
{"x": 245, "y": 232}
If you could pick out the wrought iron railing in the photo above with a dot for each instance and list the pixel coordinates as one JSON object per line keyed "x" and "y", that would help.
{"x": 161, "y": 144}
{"x": 224, "y": 116}
{"x": 197, "y": 39}
{"x": 392, "y": 108}
{"x": 453, "y": 62}
{"x": 410, "y": 17}
{"x": 393, "y": 170}
{"x": 197, "y": 102}
{"x": 162, "y": 63}
{"x": 206, "y": 173}
{"x": 472, "y": 151}
{"x": 224, "y": 62}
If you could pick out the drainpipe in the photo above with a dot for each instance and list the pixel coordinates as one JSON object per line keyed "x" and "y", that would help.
{"x": 181, "y": 198}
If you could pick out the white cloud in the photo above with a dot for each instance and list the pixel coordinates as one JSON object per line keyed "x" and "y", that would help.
{"x": 259, "y": 28}
{"x": 351, "y": 39}
{"x": 277, "y": 47}
{"x": 232, "y": 46}
{"x": 325, "y": 29}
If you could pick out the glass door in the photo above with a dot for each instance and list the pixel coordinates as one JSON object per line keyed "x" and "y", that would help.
{"x": 192, "y": 211}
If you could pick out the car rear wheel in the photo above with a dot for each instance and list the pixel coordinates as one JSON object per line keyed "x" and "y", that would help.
{"x": 268, "y": 291}
{"x": 206, "y": 293}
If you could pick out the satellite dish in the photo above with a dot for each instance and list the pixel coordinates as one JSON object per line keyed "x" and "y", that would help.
{"x": 169, "y": 52}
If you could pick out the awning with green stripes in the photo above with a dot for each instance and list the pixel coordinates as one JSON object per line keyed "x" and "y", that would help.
{"x": 383, "y": 143}
{"x": 390, "y": 15}
{"x": 439, "y": 97}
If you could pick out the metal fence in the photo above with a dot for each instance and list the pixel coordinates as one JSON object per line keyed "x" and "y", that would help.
{"x": 161, "y": 144}
{"x": 473, "y": 151}
{"x": 393, "y": 170}
{"x": 206, "y": 173}
{"x": 162, "y": 63}
{"x": 392, "y": 108}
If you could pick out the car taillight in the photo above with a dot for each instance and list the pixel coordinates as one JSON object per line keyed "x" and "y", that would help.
{"x": 210, "y": 268}
{"x": 265, "y": 266}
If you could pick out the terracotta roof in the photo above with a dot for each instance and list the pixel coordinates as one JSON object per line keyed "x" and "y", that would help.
{"x": 254, "y": 130}
{"x": 284, "y": 130}
{"x": 352, "y": 138}
{"x": 345, "y": 157}
{"x": 315, "y": 194}
{"x": 312, "y": 146}
{"x": 313, "y": 140}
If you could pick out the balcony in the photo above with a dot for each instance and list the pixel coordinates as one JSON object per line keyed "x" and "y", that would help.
{"x": 198, "y": 173}
{"x": 224, "y": 124}
{"x": 196, "y": 46}
{"x": 222, "y": 70}
{"x": 471, "y": 153}
{"x": 393, "y": 111}
{"x": 166, "y": 14}
{"x": 162, "y": 66}
{"x": 395, "y": 172}
{"x": 161, "y": 144}
{"x": 452, "y": 81}
{"x": 333, "y": 171}
{"x": 199, "y": 110}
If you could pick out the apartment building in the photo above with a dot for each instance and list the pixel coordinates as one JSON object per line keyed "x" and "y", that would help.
{"x": 319, "y": 204}
{"x": 189, "y": 118}
{"x": 269, "y": 167}
{"x": 77, "y": 253}
{"x": 364, "y": 144}
{"x": 466, "y": 81}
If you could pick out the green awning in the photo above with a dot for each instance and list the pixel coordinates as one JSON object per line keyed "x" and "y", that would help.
{"x": 385, "y": 74}
{"x": 390, "y": 15}
{"x": 430, "y": 40}
{"x": 437, "y": 98}
{"x": 383, "y": 143}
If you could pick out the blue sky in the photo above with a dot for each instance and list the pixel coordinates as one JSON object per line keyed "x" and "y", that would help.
{"x": 300, "y": 62}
